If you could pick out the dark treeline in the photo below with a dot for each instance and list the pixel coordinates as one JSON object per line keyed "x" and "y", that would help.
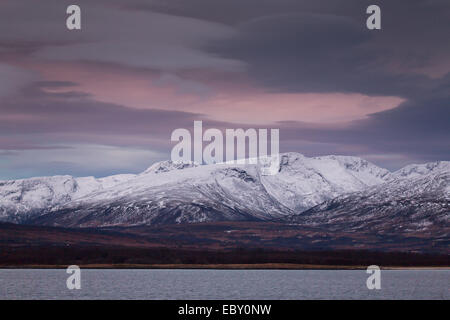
{"x": 48, "y": 255}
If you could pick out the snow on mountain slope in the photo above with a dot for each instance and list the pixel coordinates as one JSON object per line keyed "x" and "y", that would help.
{"x": 208, "y": 193}
{"x": 24, "y": 198}
{"x": 177, "y": 192}
{"x": 416, "y": 200}
{"x": 419, "y": 170}
{"x": 174, "y": 192}
{"x": 304, "y": 182}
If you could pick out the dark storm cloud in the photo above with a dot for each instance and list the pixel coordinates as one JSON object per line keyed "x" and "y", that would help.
{"x": 27, "y": 26}
{"x": 323, "y": 52}
{"x": 423, "y": 117}
{"x": 136, "y": 39}
{"x": 306, "y": 53}
{"x": 310, "y": 52}
{"x": 324, "y": 45}
{"x": 418, "y": 129}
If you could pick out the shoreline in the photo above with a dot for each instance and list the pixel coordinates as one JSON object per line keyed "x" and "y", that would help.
{"x": 257, "y": 266}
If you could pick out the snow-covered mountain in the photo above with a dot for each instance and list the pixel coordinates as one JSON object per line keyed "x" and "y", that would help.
{"x": 421, "y": 170}
{"x": 25, "y": 198}
{"x": 304, "y": 182}
{"x": 174, "y": 192}
{"x": 417, "y": 199}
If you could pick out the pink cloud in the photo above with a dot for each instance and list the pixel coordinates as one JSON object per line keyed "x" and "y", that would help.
{"x": 238, "y": 101}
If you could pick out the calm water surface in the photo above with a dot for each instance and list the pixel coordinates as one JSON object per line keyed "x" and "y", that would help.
{"x": 224, "y": 284}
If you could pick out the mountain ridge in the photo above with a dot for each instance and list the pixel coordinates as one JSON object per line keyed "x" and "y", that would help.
{"x": 185, "y": 192}
{"x": 419, "y": 203}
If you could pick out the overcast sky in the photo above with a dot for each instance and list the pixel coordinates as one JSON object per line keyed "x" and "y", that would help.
{"x": 105, "y": 99}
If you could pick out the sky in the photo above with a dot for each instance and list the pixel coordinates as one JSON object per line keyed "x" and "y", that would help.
{"x": 105, "y": 99}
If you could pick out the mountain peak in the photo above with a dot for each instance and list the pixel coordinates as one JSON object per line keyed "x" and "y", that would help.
{"x": 169, "y": 165}
{"x": 418, "y": 170}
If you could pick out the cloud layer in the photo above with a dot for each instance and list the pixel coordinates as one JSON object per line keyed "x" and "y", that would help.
{"x": 139, "y": 69}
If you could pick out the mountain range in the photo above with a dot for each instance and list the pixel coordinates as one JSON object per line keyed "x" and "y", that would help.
{"x": 339, "y": 193}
